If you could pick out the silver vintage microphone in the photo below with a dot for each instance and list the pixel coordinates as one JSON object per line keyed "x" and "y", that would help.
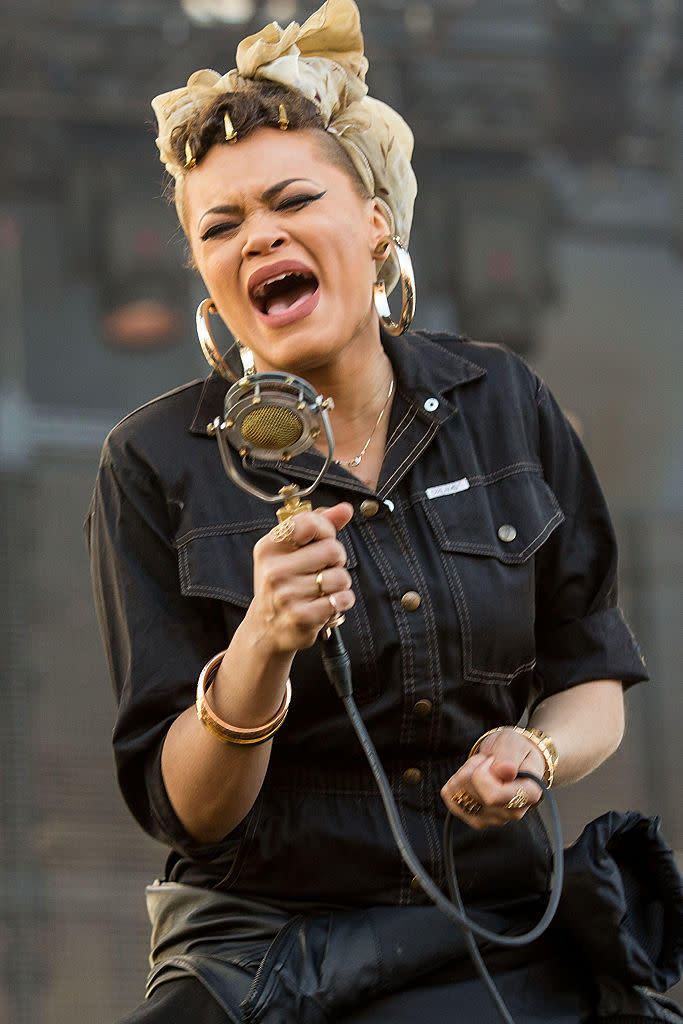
{"x": 272, "y": 417}
{"x": 269, "y": 417}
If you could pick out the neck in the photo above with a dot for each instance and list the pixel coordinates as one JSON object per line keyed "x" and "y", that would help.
{"x": 360, "y": 418}
{"x": 358, "y": 380}
{"x": 358, "y": 390}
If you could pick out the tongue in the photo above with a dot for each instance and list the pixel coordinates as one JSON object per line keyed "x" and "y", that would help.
{"x": 281, "y": 303}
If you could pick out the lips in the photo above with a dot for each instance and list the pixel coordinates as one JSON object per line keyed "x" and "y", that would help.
{"x": 283, "y": 292}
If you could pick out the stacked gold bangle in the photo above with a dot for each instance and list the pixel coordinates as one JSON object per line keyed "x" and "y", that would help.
{"x": 233, "y": 733}
{"x": 539, "y": 739}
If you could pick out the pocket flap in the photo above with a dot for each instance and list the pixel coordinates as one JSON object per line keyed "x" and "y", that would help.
{"x": 216, "y": 561}
{"x": 506, "y": 518}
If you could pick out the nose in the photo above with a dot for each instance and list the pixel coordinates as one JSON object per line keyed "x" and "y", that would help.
{"x": 262, "y": 237}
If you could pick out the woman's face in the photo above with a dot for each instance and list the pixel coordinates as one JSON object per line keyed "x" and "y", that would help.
{"x": 285, "y": 244}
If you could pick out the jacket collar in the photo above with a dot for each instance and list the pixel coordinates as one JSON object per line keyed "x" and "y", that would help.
{"x": 426, "y": 366}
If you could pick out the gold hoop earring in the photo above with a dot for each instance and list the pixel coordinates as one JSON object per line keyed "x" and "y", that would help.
{"x": 405, "y": 267}
{"x": 211, "y": 353}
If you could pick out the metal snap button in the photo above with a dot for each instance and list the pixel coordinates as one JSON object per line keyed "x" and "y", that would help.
{"x": 506, "y": 533}
{"x": 411, "y": 600}
{"x": 369, "y": 508}
{"x": 412, "y": 776}
{"x": 431, "y": 405}
{"x": 415, "y": 884}
{"x": 422, "y": 708}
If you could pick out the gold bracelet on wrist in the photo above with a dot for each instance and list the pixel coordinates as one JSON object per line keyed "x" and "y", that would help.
{"x": 540, "y": 740}
{"x": 234, "y": 733}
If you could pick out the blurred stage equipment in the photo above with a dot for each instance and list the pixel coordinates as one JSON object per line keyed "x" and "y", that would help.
{"x": 207, "y": 12}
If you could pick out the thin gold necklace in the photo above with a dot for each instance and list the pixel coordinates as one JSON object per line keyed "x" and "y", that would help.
{"x": 352, "y": 463}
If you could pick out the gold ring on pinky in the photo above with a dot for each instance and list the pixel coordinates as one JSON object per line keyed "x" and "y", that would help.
{"x": 284, "y": 531}
{"x": 319, "y": 583}
{"x": 468, "y": 803}
{"x": 519, "y": 801}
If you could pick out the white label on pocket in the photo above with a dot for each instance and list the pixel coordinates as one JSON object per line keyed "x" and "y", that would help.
{"x": 452, "y": 488}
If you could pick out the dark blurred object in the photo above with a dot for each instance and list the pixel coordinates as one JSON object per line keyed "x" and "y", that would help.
{"x": 589, "y": 61}
{"x": 503, "y": 266}
{"x": 485, "y": 242}
{"x": 143, "y": 288}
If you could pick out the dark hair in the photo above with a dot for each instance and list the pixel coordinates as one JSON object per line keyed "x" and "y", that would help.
{"x": 257, "y": 105}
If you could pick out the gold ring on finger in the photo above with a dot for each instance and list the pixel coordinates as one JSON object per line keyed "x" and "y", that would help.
{"x": 468, "y": 803}
{"x": 519, "y": 801}
{"x": 319, "y": 583}
{"x": 284, "y": 531}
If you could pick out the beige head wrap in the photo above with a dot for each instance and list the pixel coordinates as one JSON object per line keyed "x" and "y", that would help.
{"x": 322, "y": 59}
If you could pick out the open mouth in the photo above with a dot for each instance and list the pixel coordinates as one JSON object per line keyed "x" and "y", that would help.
{"x": 283, "y": 292}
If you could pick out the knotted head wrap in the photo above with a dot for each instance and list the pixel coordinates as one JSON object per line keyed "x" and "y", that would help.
{"x": 323, "y": 60}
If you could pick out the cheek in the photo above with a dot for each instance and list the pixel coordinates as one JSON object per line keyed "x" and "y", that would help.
{"x": 354, "y": 262}
{"x": 218, "y": 273}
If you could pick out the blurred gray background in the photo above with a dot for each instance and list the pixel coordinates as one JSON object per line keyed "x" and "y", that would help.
{"x": 549, "y": 151}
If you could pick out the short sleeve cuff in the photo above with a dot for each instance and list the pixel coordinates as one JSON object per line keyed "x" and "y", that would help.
{"x": 599, "y": 646}
{"x": 169, "y": 829}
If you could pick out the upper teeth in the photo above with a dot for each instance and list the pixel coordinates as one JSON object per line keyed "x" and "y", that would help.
{"x": 260, "y": 289}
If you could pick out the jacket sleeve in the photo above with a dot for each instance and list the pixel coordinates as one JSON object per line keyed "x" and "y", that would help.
{"x": 581, "y": 633}
{"x": 156, "y": 639}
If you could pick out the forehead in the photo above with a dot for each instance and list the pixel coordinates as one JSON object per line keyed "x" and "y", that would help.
{"x": 246, "y": 170}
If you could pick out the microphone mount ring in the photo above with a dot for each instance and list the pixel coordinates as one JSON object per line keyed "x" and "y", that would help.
{"x": 271, "y": 417}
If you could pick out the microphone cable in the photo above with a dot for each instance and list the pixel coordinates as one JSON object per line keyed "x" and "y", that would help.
{"x": 337, "y": 665}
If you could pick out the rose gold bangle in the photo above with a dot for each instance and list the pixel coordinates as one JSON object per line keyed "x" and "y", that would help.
{"x": 234, "y": 733}
{"x": 539, "y": 739}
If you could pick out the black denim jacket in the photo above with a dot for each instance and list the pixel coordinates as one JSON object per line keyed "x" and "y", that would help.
{"x": 484, "y": 567}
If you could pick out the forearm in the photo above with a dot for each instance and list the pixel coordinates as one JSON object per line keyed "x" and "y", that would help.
{"x": 212, "y": 785}
{"x": 586, "y": 724}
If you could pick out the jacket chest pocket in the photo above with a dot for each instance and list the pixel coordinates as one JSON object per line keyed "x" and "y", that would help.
{"x": 216, "y": 561}
{"x": 488, "y": 536}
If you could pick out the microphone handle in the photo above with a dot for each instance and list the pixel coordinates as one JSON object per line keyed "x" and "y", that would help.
{"x": 292, "y": 506}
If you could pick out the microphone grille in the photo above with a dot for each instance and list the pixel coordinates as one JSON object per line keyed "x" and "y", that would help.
{"x": 272, "y": 427}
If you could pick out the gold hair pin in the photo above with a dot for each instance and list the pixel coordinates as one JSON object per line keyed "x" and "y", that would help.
{"x": 283, "y": 120}
{"x": 230, "y": 133}
{"x": 189, "y": 157}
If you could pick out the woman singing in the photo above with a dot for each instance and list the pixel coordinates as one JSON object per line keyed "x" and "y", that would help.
{"x": 461, "y": 532}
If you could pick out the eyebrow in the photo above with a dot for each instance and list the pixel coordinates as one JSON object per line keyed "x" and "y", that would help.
{"x": 267, "y": 196}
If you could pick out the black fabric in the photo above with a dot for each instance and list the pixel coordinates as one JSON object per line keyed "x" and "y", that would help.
{"x": 622, "y": 901}
{"x": 551, "y": 991}
{"x": 183, "y": 1001}
{"x": 187, "y": 1000}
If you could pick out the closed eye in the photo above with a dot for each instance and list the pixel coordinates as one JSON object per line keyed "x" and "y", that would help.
{"x": 215, "y": 230}
{"x": 298, "y": 202}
